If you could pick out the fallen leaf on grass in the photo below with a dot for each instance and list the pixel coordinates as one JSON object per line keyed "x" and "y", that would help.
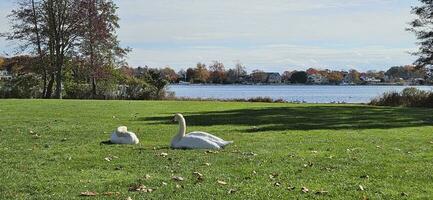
{"x": 249, "y": 154}
{"x": 364, "y": 177}
{"x": 236, "y": 151}
{"x": 198, "y": 175}
{"x": 222, "y": 182}
{"x": 273, "y": 176}
{"x": 177, "y": 178}
{"x": 309, "y": 164}
{"x": 147, "y": 176}
{"x": 304, "y": 190}
{"x": 111, "y": 193}
{"x": 231, "y": 191}
{"x": 163, "y": 154}
{"x": 140, "y": 188}
{"x": 110, "y": 158}
{"x": 321, "y": 192}
{"x": 36, "y": 136}
{"x": 88, "y": 194}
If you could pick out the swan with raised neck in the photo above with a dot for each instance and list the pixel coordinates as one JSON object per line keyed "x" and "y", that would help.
{"x": 195, "y": 140}
{"x": 182, "y": 128}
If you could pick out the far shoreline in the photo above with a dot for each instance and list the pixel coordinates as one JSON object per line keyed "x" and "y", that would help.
{"x": 343, "y": 85}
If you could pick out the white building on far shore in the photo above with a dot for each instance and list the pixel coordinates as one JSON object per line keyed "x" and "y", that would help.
{"x": 4, "y": 75}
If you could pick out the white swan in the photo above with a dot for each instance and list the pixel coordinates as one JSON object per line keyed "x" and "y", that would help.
{"x": 195, "y": 140}
{"x": 122, "y": 136}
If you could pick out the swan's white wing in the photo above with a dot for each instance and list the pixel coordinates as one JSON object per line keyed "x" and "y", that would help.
{"x": 210, "y": 137}
{"x": 194, "y": 142}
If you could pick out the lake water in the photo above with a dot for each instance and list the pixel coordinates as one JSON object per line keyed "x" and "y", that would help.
{"x": 306, "y": 93}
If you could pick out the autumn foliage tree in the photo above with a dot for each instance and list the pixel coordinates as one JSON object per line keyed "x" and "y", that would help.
{"x": 59, "y": 30}
{"x": 217, "y": 72}
{"x": 201, "y": 74}
{"x": 99, "y": 44}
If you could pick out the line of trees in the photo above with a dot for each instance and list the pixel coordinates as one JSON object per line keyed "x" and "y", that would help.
{"x": 216, "y": 73}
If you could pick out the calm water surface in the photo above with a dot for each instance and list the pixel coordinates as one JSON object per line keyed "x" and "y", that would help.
{"x": 306, "y": 93}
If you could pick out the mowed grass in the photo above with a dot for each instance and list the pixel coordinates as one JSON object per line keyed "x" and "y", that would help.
{"x": 52, "y": 149}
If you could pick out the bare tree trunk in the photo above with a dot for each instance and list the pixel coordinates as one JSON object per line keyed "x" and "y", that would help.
{"x": 50, "y": 85}
{"x": 59, "y": 75}
{"x": 38, "y": 43}
{"x": 94, "y": 93}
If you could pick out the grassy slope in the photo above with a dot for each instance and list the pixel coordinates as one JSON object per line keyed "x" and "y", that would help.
{"x": 321, "y": 147}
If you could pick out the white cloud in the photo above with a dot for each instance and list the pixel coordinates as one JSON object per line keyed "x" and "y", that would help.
{"x": 272, "y": 34}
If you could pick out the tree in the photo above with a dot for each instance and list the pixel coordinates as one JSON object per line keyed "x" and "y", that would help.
{"x": 259, "y": 76}
{"x": 231, "y": 76}
{"x": 217, "y": 73}
{"x": 286, "y": 76}
{"x": 169, "y": 74}
{"x": 240, "y": 70}
{"x": 59, "y": 30}
{"x": 354, "y": 76}
{"x": 299, "y": 77}
{"x": 63, "y": 24}
{"x": 156, "y": 79}
{"x": 27, "y": 27}
{"x": 50, "y": 26}
{"x": 190, "y": 74}
{"x": 99, "y": 44}
{"x": 334, "y": 77}
{"x": 201, "y": 74}
{"x": 422, "y": 27}
{"x": 181, "y": 74}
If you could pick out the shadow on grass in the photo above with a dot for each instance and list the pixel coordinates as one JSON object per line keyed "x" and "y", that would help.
{"x": 308, "y": 118}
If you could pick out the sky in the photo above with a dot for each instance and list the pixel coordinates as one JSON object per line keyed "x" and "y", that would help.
{"x": 271, "y": 35}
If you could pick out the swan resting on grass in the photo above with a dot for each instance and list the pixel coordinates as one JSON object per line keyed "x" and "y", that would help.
{"x": 122, "y": 136}
{"x": 195, "y": 140}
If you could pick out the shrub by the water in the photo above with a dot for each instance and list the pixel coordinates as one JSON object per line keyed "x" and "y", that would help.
{"x": 409, "y": 97}
{"x": 26, "y": 86}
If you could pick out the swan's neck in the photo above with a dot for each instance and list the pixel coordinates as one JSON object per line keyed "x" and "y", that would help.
{"x": 182, "y": 130}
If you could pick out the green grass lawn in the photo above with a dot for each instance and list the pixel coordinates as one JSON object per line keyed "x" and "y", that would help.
{"x": 52, "y": 149}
